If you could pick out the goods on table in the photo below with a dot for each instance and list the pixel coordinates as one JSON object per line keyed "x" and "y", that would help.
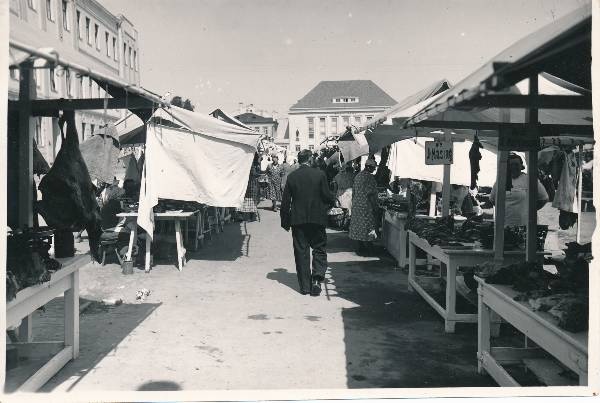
{"x": 175, "y": 205}
{"x": 27, "y": 259}
{"x": 393, "y": 202}
{"x": 437, "y": 232}
{"x": 563, "y": 295}
{"x": 68, "y": 197}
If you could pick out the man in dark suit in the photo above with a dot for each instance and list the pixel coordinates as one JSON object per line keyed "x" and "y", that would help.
{"x": 306, "y": 199}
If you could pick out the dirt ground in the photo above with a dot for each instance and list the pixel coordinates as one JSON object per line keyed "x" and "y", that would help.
{"x": 233, "y": 319}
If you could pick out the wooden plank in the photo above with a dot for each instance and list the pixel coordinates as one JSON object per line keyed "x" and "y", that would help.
{"x": 71, "y": 312}
{"x": 26, "y": 329}
{"x": 496, "y": 371}
{"x": 44, "y": 374}
{"x": 48, "y": 107}
{"x": 483, "y": 330}
{"x": 446, "y": 191}
{"x": 547, "y": 129}
{"x": 548, "y": 372}
{"x": 515, "y": 355}
{"x": 36, "y": 350}
{"x": 579, "y": 102}
{"x": 428, "y": 298}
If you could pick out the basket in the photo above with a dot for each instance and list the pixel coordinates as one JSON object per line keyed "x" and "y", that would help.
{"x": 336, "y": 217}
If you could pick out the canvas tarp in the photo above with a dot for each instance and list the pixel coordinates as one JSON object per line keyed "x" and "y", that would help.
{"x": 204, "y": 160}
{"x": 407, "y": 160}
{"x": 100, "y": 153}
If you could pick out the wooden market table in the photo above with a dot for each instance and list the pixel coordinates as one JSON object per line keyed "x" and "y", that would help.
{"x": 177, "y": 217}
{"x": 568, "y": 348}
{"x": 453, "y": 259}
{"x": 19, "y": 313}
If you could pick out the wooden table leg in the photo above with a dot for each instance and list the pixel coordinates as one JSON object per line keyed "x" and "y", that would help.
{"x": 402, "y": 242}
{"x": 148, "y": 258}
{"x": 450, "y": 320}
{"x": 412, "y": 263}
{"x": 483, "y": 330}
{"x": 180, "y": 249}
{"x": 71, "y": 301}
{"x": 198, "y": 224}
{"x": 132, "y": 239}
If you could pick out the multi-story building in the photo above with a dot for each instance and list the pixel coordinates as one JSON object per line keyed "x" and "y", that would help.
{"x": 81, "y": 32}
{"x": 330, "y": 107}
{"x": 282, "y": 136}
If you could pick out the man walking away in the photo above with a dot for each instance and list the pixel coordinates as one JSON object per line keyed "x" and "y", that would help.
{"x": 306, "y": 199}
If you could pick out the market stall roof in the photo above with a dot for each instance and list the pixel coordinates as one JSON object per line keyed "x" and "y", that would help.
{"x": 132, "y": 130}
{"x": 562, "y": 50}
{"x": 221, "y": 115}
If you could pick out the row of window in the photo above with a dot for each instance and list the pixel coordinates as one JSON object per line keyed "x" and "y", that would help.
{"x": 265, "y": 129}
{"x": 345, "y": 100}
{"x": 333, "y": 128}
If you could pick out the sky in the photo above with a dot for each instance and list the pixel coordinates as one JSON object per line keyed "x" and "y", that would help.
{"x": 272, "y": 52}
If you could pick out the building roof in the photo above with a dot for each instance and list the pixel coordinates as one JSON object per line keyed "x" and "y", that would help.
{"x": 368, "y": 93}
{"x": 253, "y": 118}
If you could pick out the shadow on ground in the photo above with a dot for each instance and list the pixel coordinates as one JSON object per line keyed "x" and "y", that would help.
{"x": 285, "y": 277}
{"x": 228, "y": 245}
{"x": 393, "y": 338}
{"x": 159, "y": 386}
{"x": 100, "y": 335}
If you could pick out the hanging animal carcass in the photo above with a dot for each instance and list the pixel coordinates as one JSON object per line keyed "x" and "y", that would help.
{"x": 68, "y": 195}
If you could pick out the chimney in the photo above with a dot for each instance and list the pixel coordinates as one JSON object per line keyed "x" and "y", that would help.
{"x": 241, "y": 107}
{"x": 250, "y": 108}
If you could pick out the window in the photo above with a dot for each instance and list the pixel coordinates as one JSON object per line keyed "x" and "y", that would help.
{"x": 322, "y": 128}
{"x": 13, "y": 74}
{"x": 68, "y": 82}
{"x": 346, "y": 120}
{"x": 82, "y": 129}
{"x": 130, "y": 61}
{"x": 32, "y": 4}
{"x": 38, "y": 77}
{"x": 80, "y": 86}
{"x": 125, "y": 54}
{"x": 369, "y": 117}
{"x": 92, "y": 129}
{"x": 257, "y": 129}
{"x": 53, "y": 80}
{"x": 107, "y": 37}
{"x": 357, "y": 120}
{"x": 79, "y": 31}
{"x": 311, "y": 128}
{"x": 96, "y": 30}
{"x": 65, "y": 15}
{"x": 266, "y": 130}
{"x": 334, "y": 125}
{"x": 87, "y": 31}
{"x": 345, "y": 100}
{"x": 297, "y": 135}
{"x": 135, "y": 65}
{"x": 90, "y": 88}
{"x": 49, "y": 10}
{"x": 39, "y": 139}
{"x": 297, "y": 147}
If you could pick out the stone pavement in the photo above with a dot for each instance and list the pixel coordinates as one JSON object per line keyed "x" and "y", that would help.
{"x": 233, "y": 319}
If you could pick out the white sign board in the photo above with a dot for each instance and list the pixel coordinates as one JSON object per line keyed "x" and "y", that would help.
{"x": 438, "y": 152}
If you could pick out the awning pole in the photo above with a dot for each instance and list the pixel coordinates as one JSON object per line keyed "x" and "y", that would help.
{"x": 446, "y": 185}
{"x": 24, "y": 166}
{"x": 500, "y": 203}
{"x": 532, "y": 186}
{"x": 578, "y": 196}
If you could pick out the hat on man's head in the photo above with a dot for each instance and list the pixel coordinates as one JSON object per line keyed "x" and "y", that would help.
{"x": 371, "y": 162}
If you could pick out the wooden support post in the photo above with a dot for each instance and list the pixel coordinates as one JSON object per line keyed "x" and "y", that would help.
{"x": 25, "y": 146}
{"x": 446, "y": 188}
{"x": 26, "y": 330}
{"x": 71, "y": 301}
{"x": 532, "y": 167}
{"x": 579, "y": 192}
{"x": 432, "y": 200}
{"x": 500, "y": 203}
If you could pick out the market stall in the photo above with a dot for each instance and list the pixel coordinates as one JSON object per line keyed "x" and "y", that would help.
{"x": 190, "y": 158}
{"x": 559, "y": 52}
{"x": 43, "y": 263}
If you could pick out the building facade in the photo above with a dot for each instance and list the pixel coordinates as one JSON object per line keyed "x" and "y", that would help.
{"x": 82, "y": 32}
{"x": 261, "y": 124}
{"x": 332, "y": 106}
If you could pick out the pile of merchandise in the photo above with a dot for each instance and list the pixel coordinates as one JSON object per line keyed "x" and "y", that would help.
{"x": 175, "y": 205}
{"x": 393, "y": 202}
{"x": 563, "y": 295}
{"x": 27, "y": 259}
{"x": 437, "y": 232}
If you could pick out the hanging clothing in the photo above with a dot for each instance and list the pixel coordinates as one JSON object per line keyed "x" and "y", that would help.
{"x": 565, "y": 196}
{"x": 344, "y": 181}
{"x": 474, "y": 158}
{"x": 275, "y": 174}
{"x": 363, "y": 217}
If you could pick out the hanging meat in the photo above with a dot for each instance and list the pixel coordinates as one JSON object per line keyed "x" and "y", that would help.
{"x": 68, "y": 197}
{"x": 474, "y": 158}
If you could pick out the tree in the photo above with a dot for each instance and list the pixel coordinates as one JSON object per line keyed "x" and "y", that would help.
{"x": 178, "y": 101}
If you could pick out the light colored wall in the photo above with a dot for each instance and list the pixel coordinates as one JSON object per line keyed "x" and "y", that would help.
{"x": 91, "y": 55}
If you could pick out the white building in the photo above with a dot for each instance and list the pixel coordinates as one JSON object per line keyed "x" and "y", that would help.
{"x": 330, "y": 107}
{"x": 82, "y": 32}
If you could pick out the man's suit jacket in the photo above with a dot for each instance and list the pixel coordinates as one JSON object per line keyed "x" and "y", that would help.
{"x": 306, "y": 198}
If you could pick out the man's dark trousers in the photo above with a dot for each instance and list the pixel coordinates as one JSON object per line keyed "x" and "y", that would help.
{"x": 306, "y": 236}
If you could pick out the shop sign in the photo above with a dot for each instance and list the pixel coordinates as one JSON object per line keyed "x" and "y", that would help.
{"x": 439, "y": 152}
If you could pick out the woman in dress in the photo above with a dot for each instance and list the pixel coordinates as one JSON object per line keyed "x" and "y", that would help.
{"x": 343, "y": 183}
{"x": 274, "y": 172}
{"x": 252, "y": 196}
{"x": 364, "y": 208}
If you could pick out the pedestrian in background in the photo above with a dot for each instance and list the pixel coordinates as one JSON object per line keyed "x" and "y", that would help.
{"x": 364, "y": 208}
{"x": 306, "y": 200}
{"x": 274, "y": 174}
